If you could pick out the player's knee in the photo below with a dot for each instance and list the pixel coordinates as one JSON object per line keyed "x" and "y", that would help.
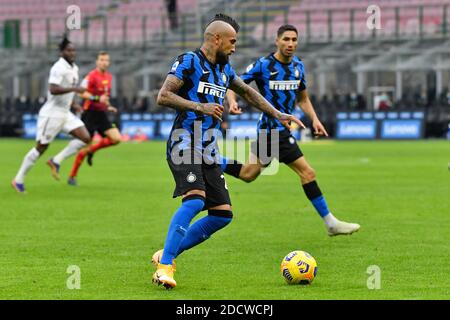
{"x": 248, "y": 176}
{"x": 221, "y": 217}
{"x": 86, "y": 139}
{"x": 309, "y": 174}
{"x": 41, "y": 148}
{"x": 195, "y": 202}
{"x": 116, "y": 140}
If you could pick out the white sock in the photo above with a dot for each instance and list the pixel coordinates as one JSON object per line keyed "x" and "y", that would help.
{"x": 27, "y": 164}
{"x": 330, "y": 220}
{"x": 72, "y": 147}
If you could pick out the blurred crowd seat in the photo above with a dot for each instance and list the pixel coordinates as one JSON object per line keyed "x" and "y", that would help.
{"x": 341, "y": 17}
{"x": 37, "y": 12}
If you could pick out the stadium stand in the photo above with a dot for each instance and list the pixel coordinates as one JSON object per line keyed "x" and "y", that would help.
{"x": 409, "y": 56}
{"x": 347, "y": 18}
{"x": 114, "y": 20}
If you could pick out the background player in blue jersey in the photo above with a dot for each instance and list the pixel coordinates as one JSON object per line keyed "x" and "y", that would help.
{"x": 196, "y": 87}
{"x": 281, "y": 79}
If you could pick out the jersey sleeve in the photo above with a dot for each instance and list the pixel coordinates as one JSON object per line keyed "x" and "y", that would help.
{"x": 252, "y": 72}
{"x": 303, "y": 82}
{"x": 56, "y": 76}
{"x": 231, "y": 74}
{"x": 183, "y": 66}
{"x": 86, "y": 82}
{"x": 90, "y": 83}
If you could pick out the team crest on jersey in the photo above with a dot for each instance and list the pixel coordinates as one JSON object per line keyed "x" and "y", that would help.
{"x": 249, "y": 67}
{"x": 191, "y": 178}
{"x": 224, "y": 78}
{"x": 175, "y": 66}
{"x": 291, "y": 140}
{"x": 297, "y": 73}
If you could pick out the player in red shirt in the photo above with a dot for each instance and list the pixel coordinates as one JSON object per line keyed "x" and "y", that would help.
{"x": 96, "y": 105}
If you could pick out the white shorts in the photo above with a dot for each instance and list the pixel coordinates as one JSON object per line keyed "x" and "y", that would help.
{"x": 49, "y": 127}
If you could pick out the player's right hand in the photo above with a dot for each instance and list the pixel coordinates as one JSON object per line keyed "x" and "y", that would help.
{"x": 212, "y": 109}
{"x": 234, "y": 107}
{"x": 104, "y": 99}
{"x": 319, "y": 129}
{"x": 79, "y": 90}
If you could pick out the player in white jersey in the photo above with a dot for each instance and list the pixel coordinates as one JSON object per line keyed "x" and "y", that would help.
{"x": 55, "y": 116}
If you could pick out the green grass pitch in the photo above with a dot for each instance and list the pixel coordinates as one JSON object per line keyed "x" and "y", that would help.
{"x": 112, "y": 223}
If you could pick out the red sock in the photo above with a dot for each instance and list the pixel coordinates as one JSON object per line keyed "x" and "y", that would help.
{"x": 76, "y": 165}
{"x": 105, "y": 142}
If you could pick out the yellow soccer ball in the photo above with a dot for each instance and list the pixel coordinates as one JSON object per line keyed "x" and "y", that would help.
{"x": 299, "y": 267}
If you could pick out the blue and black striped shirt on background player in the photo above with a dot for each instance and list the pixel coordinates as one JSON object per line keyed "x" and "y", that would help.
{"x": 279, "y": 83}
{"x": 204, "y": 82}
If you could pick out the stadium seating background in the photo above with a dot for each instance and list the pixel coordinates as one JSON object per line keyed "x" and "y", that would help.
{"x": 335, "y": 46}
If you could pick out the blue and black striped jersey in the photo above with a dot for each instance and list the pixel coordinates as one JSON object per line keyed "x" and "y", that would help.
{"x": 279, "y": 83}
{"x": 204, "y": 82}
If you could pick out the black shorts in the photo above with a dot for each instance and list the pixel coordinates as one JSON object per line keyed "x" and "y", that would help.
{"x": 288, "y": 149}
{"x": 208, "y": 178}
{"x": 96, "y": 121}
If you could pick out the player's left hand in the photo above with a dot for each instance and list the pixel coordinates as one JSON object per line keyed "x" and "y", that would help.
{"x": 319, "y": 129}
{"x": 112, "y": 109}
{"x": 78, "y": 109}
{"x": 286, "y": 120}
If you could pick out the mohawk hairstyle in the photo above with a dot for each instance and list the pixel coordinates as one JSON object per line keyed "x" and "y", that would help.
{"x": 64, "y": 43}
{"x": 227, "y": 19}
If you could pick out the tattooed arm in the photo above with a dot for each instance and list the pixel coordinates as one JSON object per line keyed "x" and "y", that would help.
{"x": 254, "y": 98}
{"x": 168, "y": 97}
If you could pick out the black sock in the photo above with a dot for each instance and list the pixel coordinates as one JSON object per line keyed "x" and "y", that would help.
{"x": 312, "y": 190}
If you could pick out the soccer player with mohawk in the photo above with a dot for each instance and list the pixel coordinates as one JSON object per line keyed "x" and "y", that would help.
{"x": 196, "y": 87}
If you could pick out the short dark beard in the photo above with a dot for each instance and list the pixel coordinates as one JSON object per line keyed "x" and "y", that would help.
{"x": 222, "y": 58}
{"x": 286, "y": 56}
